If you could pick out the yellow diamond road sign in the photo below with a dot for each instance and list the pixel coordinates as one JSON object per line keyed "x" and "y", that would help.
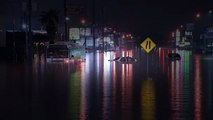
{"x": 148, "y": 45}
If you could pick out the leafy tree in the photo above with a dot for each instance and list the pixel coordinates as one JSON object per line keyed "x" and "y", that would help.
{"x": 50, "y": 19}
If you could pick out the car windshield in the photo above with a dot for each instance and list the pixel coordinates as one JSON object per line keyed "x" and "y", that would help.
{"x": 57, "y": 51}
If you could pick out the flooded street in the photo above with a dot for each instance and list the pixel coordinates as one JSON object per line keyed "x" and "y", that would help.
{"x": 94, "y": 88}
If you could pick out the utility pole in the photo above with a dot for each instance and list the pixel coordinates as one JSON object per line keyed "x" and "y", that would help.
{"x": 93, "y": 23}
{"x": 65, "y": 21}
{"x": 103, "y": 27}
{"x": 29, "y": 41}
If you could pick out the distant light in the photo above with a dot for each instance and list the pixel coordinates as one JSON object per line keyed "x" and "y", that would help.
{"x": 105, "y": 29}
{"x": 66, "y": 61}
{"x": 83, "y": 21}
{"x": 198, "y": 15}
{"x": 210, "y": 12}
{"x": 67, "y": 18}
{"x": 173, "y": 34}
{"x": 24, "y": 26}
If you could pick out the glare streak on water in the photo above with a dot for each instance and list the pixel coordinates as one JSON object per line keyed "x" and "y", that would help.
{"x": 148, "y": 100}
{"x": 176, "y": 91}
{"x": 126, "y": 79}
{"x": 198, "y": 89}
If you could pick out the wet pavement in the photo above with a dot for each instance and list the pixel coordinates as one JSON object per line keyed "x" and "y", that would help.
{"x": 94, "y": 88}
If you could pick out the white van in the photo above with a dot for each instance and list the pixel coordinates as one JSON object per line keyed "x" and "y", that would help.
{"x": 57, "y": 53}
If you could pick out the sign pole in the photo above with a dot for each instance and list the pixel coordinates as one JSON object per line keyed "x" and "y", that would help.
{"x": 148, "y": 45}
{"x": 147, "y": 70}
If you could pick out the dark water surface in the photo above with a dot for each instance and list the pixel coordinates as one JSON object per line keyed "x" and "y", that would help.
{"x": 97, "y": 89}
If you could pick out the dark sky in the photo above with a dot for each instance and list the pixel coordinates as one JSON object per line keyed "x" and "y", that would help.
{"x": 139, "y": 16}
{"x": 157, "y": 16}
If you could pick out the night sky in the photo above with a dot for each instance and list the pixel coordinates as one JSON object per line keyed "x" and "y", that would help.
{"x": 158, "y": 16}
{"x": 142, "y": 17}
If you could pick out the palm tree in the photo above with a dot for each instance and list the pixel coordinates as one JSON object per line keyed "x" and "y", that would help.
{"x": 50, "y": 20}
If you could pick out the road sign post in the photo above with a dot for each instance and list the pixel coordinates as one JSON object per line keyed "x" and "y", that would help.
{"x": 148, "y": 45}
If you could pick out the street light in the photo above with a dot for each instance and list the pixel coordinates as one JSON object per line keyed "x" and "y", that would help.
{"x": 83, "y": 21}
{"x": 198, "y": 15}
{"x": 67, "y": 18}
{"x": 24, "y": 26}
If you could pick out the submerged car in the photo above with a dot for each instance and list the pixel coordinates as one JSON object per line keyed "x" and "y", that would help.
{"x": 173, "y": 56}
{"x": 124, "y": 59}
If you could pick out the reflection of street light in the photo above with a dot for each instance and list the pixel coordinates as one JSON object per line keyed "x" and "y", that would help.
{"x": 83, "y": 22}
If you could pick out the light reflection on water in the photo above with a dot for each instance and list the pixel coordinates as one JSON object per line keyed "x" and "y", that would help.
{"x": 148, "y": 100}
{"x": 127, "y": 88}
{"x": 186, "y": 86}
{"x": 208, "y": 85}
{"x": 107, "y": 84}
{"x": 97, "y": 89}
{"x": 100, "y": 89}
{"x": 198, "y": 89}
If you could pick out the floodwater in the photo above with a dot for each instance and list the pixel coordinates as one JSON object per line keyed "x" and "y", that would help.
{"x": 94, "y": 88}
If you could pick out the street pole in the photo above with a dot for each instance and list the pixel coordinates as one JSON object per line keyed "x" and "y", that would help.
{"x": 65, "y": 21}
{"x": 29, "y": 41}
{"x": 103, "y": 28}
{"x": 93, "y": 23}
